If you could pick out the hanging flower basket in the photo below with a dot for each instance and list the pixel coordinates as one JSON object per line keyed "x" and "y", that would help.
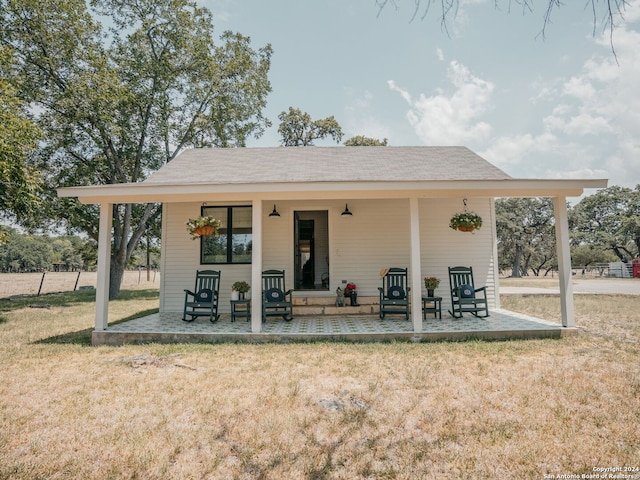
{"x": 466, "y": 221}
{"x": 203, "y": 227}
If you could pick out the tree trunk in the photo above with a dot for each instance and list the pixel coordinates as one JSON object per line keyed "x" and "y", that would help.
{"x": 148, "y": 258}
{"x": 117, "y": 274}
{"x": 515, "y": 267}
{"x": 123, "y": 245}
{"x": 618, "y": 253}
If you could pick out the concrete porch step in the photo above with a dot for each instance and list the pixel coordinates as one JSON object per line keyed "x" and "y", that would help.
{"x": 326, "y": 306}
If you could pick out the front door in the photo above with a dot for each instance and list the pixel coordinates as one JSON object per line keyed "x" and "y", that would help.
{"x": 311, "y": 250}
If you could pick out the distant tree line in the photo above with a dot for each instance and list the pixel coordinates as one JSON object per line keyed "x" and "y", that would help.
{"x": 69, "y": 253}
{"x": 604, "y": 227}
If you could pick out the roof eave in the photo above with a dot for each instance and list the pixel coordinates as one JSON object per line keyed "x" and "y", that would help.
{"x": 161, "y": 193}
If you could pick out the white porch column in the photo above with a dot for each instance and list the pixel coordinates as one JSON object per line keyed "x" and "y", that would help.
{"x": 104, "y": 266}
{"x": 564, "y": 261}
{"x": 496, "y": 263}
{"x": 416, "y": 274}
{"x": 256, "y": 267}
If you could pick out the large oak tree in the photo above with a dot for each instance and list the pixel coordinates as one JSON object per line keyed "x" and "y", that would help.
{"x": 19, "y": 183}
{"x": 525, "y": 230}
{"x": 609, "y": 220}
{"x": 120, "y": 87}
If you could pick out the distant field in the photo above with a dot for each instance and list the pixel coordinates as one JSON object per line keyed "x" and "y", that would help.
{"x": 12, "y": 284}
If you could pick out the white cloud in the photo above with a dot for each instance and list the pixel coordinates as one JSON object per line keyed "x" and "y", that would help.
{"x": 403, "y": 93}
{"x": 581, "y": 124}
{"x": 508, "y": 151}
{"x": 580, "y": 88}
{"x": 451, "y": 119}
{"x": 593, "y": 128}
{"x": 607, "y": 107}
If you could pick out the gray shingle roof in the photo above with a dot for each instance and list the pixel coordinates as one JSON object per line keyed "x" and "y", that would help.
{"x": 324, "y": 164}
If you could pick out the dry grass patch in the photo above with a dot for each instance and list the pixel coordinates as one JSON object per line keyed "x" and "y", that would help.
{"x": 515, "y": 409}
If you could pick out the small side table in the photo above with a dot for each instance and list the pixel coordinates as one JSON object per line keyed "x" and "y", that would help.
{"x": 240, "y": 308}
{"x": 432, "y": 305}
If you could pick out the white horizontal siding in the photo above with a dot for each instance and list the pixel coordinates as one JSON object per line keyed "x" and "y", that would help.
{"x": 441, "y": 247}
{"x": 180, "y": 254}
{"x": 376, "y": 236}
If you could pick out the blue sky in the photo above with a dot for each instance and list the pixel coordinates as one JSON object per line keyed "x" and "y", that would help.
{"x": 552, "y": 107}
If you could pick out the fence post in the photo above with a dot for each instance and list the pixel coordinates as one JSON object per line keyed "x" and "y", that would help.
{"x": 75, "y": 287}
{"x": 41, "y": 282}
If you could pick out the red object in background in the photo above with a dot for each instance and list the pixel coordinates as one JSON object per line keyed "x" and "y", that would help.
{"x": 635, "y": 264}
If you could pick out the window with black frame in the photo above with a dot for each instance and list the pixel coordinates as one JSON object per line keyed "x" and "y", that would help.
{"x": 234, "y": 242}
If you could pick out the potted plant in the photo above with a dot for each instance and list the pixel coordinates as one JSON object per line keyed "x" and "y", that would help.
{"x": 240, "y": 288}
{"x": 431, "y": 283}
{"x": 203, "y": 226}
{"x": 466, "y": 221}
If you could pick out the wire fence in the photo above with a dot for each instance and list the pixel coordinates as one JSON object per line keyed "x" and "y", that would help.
{"x": 604, "y": 270}
{"x": 598, "y": 270}
{"x": 42, "y": 283}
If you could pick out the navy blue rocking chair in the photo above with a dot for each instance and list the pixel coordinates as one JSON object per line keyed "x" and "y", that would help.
{"x": 465, "y": 297}
{"x": 276, "y": 301}
{"x": 394, "y": 293}
{"x": 203, "y": 301}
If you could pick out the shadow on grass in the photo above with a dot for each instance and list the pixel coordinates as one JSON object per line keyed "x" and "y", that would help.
{"x": 83, "y": 337}
{"x": 65, "y": 299}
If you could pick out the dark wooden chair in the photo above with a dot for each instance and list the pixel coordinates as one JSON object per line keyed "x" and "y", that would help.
{"x": 203, "y": 301}
{"x": 276, "y": 301}
{"x": 394, "y": 293}
{"x": 465, "y": 297}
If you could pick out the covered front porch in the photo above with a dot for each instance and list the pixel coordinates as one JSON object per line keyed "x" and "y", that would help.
{"x": 169, "y": 328}
{"x": 369, "y": 218}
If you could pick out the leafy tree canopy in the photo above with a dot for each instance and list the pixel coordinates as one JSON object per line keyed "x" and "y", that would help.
{"x": 298, "y": 130}
{"x": 588, "y": 255}
{"x": 362, "y": 141}
{"x": 19, "y": 182}
{"x": 115, "y": 103}
{"x": 609, "y": 220}
{"x": 525, "y": 232}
